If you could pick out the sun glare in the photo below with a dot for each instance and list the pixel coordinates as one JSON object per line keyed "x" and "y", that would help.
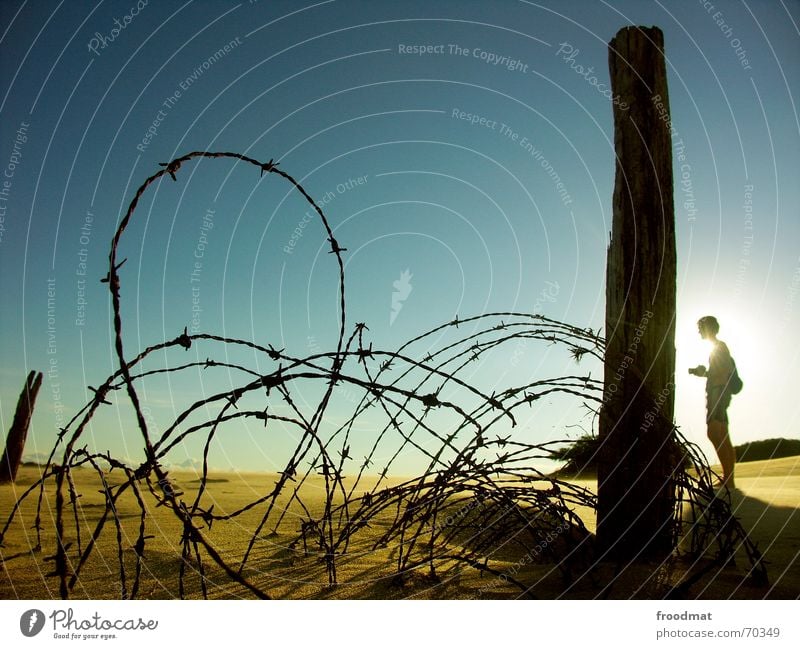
{"x": 736, "y": 330}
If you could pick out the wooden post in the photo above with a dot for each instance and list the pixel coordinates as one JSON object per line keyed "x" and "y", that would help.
{"x": 15, "y": 442}
{"x": 637, "y": 453}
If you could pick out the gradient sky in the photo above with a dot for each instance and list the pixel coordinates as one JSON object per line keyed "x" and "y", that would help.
{"x": 384, "y": 136}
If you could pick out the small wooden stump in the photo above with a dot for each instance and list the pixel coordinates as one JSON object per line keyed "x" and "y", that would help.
{"x": 18, "y": 433}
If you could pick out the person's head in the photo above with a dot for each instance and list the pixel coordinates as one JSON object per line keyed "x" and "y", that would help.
{"x": 708, "y": 327}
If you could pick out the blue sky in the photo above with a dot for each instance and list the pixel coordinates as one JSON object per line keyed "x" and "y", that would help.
{"x": 458, "y": 141}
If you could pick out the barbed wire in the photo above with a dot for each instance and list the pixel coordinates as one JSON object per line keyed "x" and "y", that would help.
{"x": 478, "y": 497}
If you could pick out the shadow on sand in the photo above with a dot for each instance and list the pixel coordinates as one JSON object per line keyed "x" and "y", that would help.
{"x": 775, "y": 529}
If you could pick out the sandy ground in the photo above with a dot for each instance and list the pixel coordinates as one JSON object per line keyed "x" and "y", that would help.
{"x": 767, "y": 502}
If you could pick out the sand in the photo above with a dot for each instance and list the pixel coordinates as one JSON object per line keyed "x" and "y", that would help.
{"x": 767, "y": 502}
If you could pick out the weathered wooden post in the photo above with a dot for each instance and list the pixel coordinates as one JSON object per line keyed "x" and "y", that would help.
{"x": 637, "y": 455}
{"x": 18, "y": 433}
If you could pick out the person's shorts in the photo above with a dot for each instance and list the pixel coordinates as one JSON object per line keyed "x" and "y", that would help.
{"x": 717, "y": 401}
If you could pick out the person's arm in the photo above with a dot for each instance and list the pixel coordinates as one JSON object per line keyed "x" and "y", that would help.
{"x": 700, "y": 370}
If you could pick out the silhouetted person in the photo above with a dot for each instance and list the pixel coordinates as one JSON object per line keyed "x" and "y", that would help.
{"x": 718, "y": 396}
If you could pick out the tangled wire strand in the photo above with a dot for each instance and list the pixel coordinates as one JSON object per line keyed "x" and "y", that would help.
{"x": 479, "y": 494}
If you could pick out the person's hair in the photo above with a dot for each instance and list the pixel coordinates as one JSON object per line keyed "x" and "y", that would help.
{"x": 709, "y": 323}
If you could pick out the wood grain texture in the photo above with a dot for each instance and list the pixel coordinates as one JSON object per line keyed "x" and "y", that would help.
{"x": 637, "y": 457}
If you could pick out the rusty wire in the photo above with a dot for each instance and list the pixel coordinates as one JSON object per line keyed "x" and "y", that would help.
{"x": 479, "y": 493}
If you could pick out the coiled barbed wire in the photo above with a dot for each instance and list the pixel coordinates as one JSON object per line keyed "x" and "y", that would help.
{"x": 478, "y": 496}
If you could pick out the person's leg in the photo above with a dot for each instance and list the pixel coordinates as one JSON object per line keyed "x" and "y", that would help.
{"x": 727, "y": 456}
{"x": 718, "y": 434}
